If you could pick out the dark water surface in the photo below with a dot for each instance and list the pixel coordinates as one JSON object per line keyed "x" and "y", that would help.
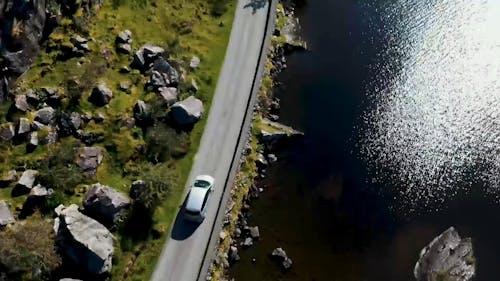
{"x": 328, "y": 200}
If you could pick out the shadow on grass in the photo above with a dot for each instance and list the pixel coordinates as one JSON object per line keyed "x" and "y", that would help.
{"x": 183, "y": 228}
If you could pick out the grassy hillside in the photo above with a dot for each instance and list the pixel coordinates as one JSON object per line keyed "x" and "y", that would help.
{"x": 184, "y": 29}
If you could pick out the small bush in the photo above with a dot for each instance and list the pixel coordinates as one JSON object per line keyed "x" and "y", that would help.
{"x": 59, "y": 171}
{"x": 28, "y": 247}
{"x": 163, "y": 142}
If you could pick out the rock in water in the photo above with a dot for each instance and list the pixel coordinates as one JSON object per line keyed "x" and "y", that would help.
{"x": 447, "y": 257}
{"x": 280, "y": 256}
{"x": 187, "y": 111}
{"x": 84, "y": 240}
{"x": 105, "y": 204}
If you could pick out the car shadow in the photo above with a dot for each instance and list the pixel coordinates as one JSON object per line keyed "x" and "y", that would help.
{"x": 183, "y": 228}
{"x": 255, "y": 5}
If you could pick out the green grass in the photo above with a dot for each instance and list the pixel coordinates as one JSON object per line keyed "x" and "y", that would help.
{"x": 184, "y": 29}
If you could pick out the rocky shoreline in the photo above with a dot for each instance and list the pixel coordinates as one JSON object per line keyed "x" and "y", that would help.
{"x": 265, "y": 135}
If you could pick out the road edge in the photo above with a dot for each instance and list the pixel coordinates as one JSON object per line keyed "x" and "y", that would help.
{"x": 211, "y": 248}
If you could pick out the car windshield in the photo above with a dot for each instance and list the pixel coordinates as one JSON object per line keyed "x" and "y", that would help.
{"x": 193, "y": 213}
{"x": 201, "y": 183}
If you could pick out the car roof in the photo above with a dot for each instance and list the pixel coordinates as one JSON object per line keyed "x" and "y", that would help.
{"x": 195, "y": 199}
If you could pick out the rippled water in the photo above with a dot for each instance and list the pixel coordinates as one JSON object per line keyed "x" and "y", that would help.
{"x": 434, "y": 129}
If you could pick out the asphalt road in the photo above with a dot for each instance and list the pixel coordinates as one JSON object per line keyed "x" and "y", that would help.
{"x": 190, "y": 247}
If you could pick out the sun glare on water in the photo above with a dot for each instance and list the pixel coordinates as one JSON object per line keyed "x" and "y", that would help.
{"x": 434, "y": 128}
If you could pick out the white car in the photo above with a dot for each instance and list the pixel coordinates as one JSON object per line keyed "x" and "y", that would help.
{"x": 197, "y": 200}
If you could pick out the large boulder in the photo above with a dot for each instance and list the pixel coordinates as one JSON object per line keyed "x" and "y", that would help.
{"x": 141, "y": 112}
{"x": 84, "y": 240}
{"x": 8, "y": 178}
{"x": 168, "y": 94}
{"x": 68, "y": 124}
{"x": 89, "y": 159}
{"x": 447, "y": 257}
{"x": 187, "y": 111}
{"x": 21, "y": 103}
{"x": 101, "y": 95}
{"x": 45, "y": 115}
{"x": 24, "y": 126}
{"x": 145, "y": 56}
{"x": 27, "y": 180}
{"x": 105, "y": 204}
{"x": 6, "y": 216}
{"x": 7, "y": 131}
{"x": 124, "y": 42}
{"x": 172, "y": 76}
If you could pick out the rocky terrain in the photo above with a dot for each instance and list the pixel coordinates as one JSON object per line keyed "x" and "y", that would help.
{"x": 100, "y": 105}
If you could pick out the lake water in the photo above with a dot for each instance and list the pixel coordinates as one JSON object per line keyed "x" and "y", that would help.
{"x": 400, "y": 104}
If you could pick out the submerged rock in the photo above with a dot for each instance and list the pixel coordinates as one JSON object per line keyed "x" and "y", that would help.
{"x": 448, "y": 257}
{"x": 280, "y": 256}
{"x": 84, "y": 240}
{"x": 188, "y": 111}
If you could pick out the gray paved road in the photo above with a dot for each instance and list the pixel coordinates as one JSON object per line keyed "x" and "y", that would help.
{"x": 183, "y": 257}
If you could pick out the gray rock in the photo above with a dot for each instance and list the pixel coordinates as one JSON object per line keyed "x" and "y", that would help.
{"x": 272, "y": 158}
{"x": 124, "y": 37}
{"x": 101, "y": 95}
{"x": 21, "y": 103}
{"x": 222, "y": 259}
{"x": 125, "y": 86}
{"x": 105, "y": 203}
{"x": 37, "y": 126}
{"x": 124, "y": 48}
{"x": 248, "y": 242}
{"x": 141, "y": 111}
{"x": 80, "y": 44}
{"x": 84, "y": 240}
{"x": 36, "y": 198}
{"x": 27, "y": 179}
{"x": 32, "y": 98}
{"x": 280, "y": 255}
{"x": 89, "y": 159}
{"x": 233, "y": 254}
{"x": 447, "y": 257}
{"x": 24, "y": 126}
{"x": 32, "y": 141}
{"x": 222, "y": 235}
{"x": 195, "y": 62}
{"x": 76, "y": 120}
{"x": 9, "y": 178}
{"x": 145, "y": 56}
{"x": 254, "y": 232}
{"x": 158, "y": 80}
{"x": 6, "y": 216}
{"x": 7, "y": 131}
{"x": 137, "y": 188}
{"x": 261, "y": 160}
{"x": 171, "y": 75}
{"x": 188, "y": 111}
{"x": 45, "y": 115}
{"x": 168, "y": 94}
